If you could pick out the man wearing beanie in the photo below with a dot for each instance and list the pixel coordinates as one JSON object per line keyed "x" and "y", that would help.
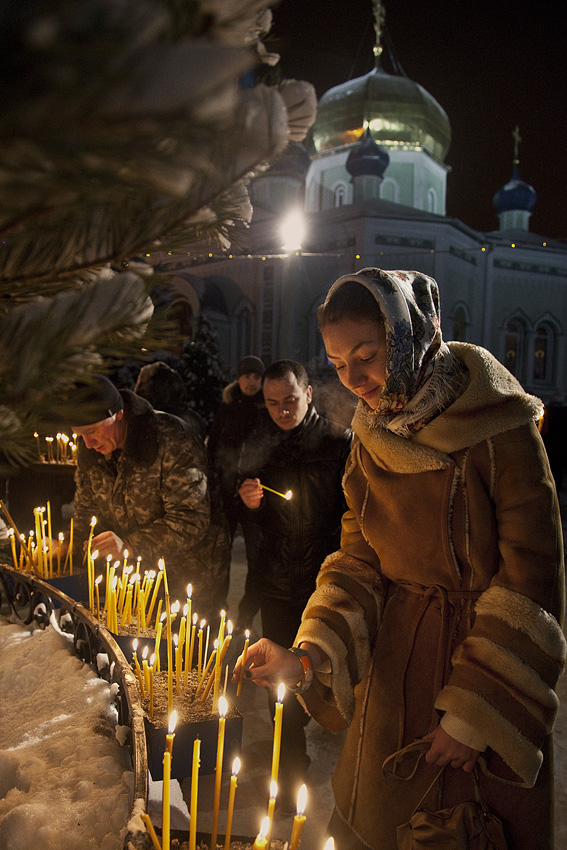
{"x": 236, "y": 418}
{"x": 143, "y": 475}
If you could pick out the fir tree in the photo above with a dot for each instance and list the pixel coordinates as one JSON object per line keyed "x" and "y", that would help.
{"x": 202, "y": 370}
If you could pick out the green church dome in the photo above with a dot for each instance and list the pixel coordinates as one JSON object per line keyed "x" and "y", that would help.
{"x": 400, "y": 114}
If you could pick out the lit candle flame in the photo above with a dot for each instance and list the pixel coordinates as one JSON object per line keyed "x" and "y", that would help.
{"x": 223, "y": 707}
{"x": 145, "y": 653}
{"x": 281, "y": 692}
{"x": 172, "y": 722}
{"x": 94, "y": 555}
{"x": 301, "y": 800}
{"x": 265, "y": 827}
{"x": 273, "y": 790}
{"x": 330, "y": 844}
{"x": 235, "y": 764}
{"x": 189, "y": 591}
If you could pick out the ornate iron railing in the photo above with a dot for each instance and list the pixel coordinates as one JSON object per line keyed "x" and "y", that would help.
{"x": 31, "y": 599}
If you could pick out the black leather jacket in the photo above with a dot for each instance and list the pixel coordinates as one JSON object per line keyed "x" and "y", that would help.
{"x": 295, "y": 535}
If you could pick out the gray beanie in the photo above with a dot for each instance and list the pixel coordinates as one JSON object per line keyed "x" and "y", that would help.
{"x": 250, "y": 364}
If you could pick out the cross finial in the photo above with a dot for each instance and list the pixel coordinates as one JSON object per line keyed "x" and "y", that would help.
{"x": 517, "y": 139}
{"x": 379, "y": 14}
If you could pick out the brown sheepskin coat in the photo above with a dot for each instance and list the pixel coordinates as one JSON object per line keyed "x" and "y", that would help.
{"x": 444, "y": 601}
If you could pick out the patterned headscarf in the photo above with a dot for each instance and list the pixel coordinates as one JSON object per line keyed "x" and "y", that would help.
{"x": 422, "y": 376}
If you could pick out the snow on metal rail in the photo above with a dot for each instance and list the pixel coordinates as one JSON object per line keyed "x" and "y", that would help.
{"x": 31, "y": 599}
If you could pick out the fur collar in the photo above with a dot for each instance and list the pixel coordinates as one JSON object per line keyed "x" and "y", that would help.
{"x": 492, "y": 402}
{"x": 232, "y": 393}
{"x": 141, "y": 444}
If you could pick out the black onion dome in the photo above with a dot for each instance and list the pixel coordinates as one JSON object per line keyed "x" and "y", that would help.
{"x": 367, "y": 157}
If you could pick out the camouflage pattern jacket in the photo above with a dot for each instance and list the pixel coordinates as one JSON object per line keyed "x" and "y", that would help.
{"x": 155, "y": 495}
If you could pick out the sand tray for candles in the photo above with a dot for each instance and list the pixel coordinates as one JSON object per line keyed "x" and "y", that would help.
{"x": 189, "y": 707}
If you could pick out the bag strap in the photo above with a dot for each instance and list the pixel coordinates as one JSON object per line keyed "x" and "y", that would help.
{"x": 393, "y": 760}
{"x": 391, "y": 764}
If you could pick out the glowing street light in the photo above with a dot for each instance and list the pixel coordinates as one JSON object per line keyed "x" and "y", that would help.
{"x": 293, "y": 230}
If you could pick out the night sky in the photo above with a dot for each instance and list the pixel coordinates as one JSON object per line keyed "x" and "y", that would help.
{"x": 490, "y": 65}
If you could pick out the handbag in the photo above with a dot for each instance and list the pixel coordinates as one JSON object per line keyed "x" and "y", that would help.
{"x": 469, "y": 825}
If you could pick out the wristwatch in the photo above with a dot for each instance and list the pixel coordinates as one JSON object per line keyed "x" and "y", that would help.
{"x": 307, "y": 677}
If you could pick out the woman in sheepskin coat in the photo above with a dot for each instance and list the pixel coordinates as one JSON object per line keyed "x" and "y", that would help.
{"x": 438, "y": 620}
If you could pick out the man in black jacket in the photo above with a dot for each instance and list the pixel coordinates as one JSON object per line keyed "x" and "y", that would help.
{"x": 292, "y": 449}
{"x": 236, "y": 418}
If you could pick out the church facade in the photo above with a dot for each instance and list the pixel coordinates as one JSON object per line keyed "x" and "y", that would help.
{"x": 372, "y": 189}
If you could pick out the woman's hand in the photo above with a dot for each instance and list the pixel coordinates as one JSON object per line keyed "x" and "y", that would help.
{"x": 251, "y": 493}
{"x": 445, "y": 750}
{"x": 268, "y": 664}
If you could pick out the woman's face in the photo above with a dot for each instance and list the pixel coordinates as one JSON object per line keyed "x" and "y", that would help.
{"x": 357, "y": 350}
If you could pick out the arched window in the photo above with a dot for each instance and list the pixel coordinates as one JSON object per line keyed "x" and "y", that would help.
{"x": 431, "y": 201}
{"x": 543, "y": 349}
{"x": 390, "y": 190}
{"x": 459, "y": 325}
{"x": 514, "y": 347}
{"x": 340, "y": 195}
{"x": 244, "y": 332}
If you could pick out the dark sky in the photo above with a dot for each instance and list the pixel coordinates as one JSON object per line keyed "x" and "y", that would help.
{"x": 490, "y": 65}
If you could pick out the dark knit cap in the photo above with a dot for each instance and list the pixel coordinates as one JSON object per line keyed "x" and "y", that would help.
{"x": 250, "y": 364}
{"x": 95, "y": 401}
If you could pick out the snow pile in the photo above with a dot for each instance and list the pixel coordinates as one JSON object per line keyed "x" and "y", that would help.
{"x": 65, "y": 782}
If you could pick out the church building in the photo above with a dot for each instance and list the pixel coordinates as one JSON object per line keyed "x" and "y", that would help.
{"x": 371, "y": 184}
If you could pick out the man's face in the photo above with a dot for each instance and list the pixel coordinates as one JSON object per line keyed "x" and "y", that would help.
{"x": 250, "y": 383}
{"x": 104, "y": 436}
{"x": 286, "y": 401}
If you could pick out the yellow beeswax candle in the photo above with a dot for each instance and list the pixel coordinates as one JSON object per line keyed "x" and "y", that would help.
{"x": 169, "y": 656}
{"x": 189, "y": 644}
{"x": 218, "y": 662}
{"x": 171, "y": 732}
{"x": 12, "y": 536}
{"x": 152, "y": 833}
{"x": 152, "y": 670}
{"x": 177, "y": 662}
{"x": 200, "y": 651}
{"x": 207, "y": 688}
{"x": 97, "y": 584}
{"x": 165, "y": 809}
{"x": 243, "y": 661}
{"x": 223, "y": 708}
{"x": 260, "y": 843}
{"x": 231, "y": 795}
{"x": 146, "y": 669}
{"x": 155, "y": 593}
{"x": 277, "y": 733}
{"x": 194, "y": 793}
{"x": 59, "y": 548}
{"x": 49, "y": 538}
{"x": 158, "y": 641}
{"x": 299, "y": 819}
{"x": 137, "y": 667}
{"x": 271, "y": 810}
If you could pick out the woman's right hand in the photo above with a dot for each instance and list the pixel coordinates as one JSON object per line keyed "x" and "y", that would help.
{"x": 251, "y": 493}
{"x": 268, "y": 664}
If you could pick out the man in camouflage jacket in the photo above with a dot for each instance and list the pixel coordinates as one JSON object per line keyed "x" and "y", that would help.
{"x": 143, "y": 474}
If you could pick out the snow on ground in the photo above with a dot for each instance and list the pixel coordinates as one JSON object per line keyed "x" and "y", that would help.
{"x": 65, "y": 782}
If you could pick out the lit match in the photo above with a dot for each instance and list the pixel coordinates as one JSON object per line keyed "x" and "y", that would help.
{"x": 287, "y": 496}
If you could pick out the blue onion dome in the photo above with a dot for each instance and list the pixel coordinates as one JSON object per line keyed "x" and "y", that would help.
{"x": 515, "y": 195}
{"x": 367, "y": 157}
{"x": 399, "y": 113}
